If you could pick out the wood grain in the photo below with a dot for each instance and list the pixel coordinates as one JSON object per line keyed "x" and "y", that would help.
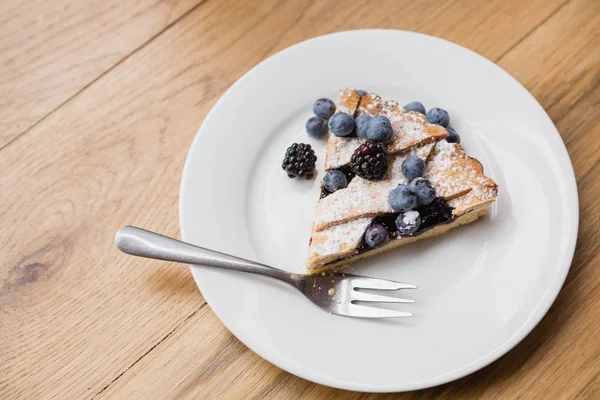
{"x": 79, "y": 319}
{"x": 49, "y": 50}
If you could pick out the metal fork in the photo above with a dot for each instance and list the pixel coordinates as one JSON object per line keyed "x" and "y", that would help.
{"x": 335, "y": 293}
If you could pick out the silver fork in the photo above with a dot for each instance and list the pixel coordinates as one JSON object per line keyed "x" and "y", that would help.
{"x": 335, "y": 293}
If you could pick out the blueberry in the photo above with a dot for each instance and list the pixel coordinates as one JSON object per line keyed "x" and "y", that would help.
{"x": 361, "y": 92}
{"x": 316, "y": 127}
{"x": 415, "y": 106}
{"x": 403, "y": 198}
{"x": 335, "y": 180}
{"x": 379, "y": 129}
{"x": 453, "y": 137}
{"x": 425, "y": 190}
{"x": 362, "y": 123}
{"x": 341, "y": 124}
{"x": 413, "y": 167}
{"x": 324, "y": 108}
{"x": 438, "y": 116}
{"x": 408, "y": 222}
{"x": 376, "y": 235}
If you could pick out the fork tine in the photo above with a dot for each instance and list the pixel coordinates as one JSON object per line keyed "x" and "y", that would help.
{"x": 362, "y": 296}
{"x": 382, "y": 284}
{"x": 354, "y": 310}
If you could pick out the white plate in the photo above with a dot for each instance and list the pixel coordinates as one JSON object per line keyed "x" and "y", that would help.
{"x": 482, "y": 287}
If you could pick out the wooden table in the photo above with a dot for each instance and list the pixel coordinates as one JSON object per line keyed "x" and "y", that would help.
{"x": 100, "y": 101}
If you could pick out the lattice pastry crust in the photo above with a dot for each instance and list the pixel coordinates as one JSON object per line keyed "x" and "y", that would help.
{"x": 342, "y": 217}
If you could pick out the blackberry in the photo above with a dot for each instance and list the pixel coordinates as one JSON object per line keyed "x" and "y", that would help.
{"x": 299, "y": 161}
{"x": 369, "y": 161}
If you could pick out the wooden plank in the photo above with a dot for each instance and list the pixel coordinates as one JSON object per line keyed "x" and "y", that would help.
{"x": 207, "y": 362}
{"x": 70, "y": 304}
{"x": 559, "y": 75}
{"x": 49, "y": 50}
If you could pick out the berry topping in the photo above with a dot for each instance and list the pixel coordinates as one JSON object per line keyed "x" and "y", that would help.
{"x": 438, "y": 116}
{"x": 299, "y": 161}
{"x": 361, "y": 92}
{"x": 335, "y": 180}
{"x": 324, "y": 108}
{"x": 379, "y": 128}
{"x": 376, "y": 235}
{"x": 369, "y": 161}
{"x": 413, "y": 167}
{"x": 362, "y": 123}
{"x": 453, "y": 137}
{"x": 415, "y": 106}
{"x": 425, "y": 190}
{"x": 408, "y": 222}
{"x": 316, "y": 127}
{"x": 341, "y": 124}
{"x": 403, "y": 198}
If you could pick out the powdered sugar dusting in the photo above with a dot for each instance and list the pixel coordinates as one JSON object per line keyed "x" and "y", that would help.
{"x": 445, "y": 170}
{"x": 410, "y": 218}
{"x": 342, "y": 217}
{"x": 337, "y": 241}
{"x": 365, "y": 198}
{"x": 483, "y": 192}
{"x": 459, "y": 177}
{"x": 409, "y": 129}
{"x": 361, "y": 198}
{"x": 370, "y": 104}
{"x": 396, "y": 175}
{"x": 339, "y": 151}
{"x": 348, "y": 101}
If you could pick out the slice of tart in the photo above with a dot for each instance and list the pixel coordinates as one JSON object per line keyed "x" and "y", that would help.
{"x": 377, "y": 207}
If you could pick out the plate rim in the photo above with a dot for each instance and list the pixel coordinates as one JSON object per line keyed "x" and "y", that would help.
{"x": 468, "y": 368}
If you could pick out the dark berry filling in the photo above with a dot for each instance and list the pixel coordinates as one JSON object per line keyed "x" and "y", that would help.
{"x": 435, "y": 213}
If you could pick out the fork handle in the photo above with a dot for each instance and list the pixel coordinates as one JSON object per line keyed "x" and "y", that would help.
{"x": 142, "y": 243}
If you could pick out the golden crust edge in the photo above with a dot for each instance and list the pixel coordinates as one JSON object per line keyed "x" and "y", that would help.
{"x": 463, "y": 219}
